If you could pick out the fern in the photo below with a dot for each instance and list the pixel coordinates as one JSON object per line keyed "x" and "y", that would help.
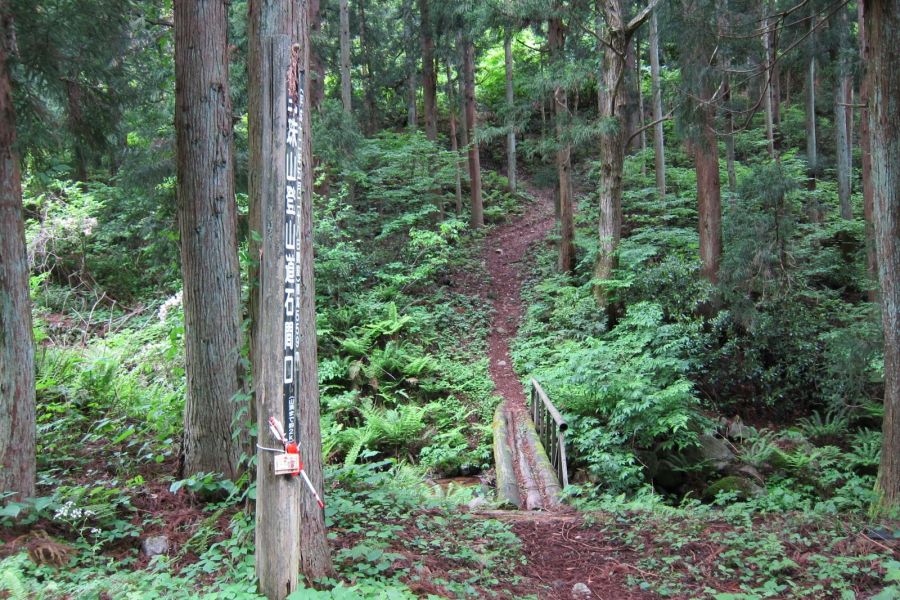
{"x": 12, "y": 578}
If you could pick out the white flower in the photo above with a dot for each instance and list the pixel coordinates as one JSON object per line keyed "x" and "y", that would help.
{"x": 168, "y": 305}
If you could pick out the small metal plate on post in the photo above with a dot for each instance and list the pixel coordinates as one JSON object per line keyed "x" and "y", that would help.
{"x": 287, "y": 464}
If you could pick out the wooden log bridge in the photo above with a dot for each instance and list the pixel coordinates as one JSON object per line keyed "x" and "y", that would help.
{"x": 527, "y": 476}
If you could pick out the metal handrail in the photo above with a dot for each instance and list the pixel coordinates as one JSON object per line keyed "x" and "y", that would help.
{"x": 553, "y": 438}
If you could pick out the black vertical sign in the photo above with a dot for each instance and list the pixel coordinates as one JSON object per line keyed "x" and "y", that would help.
{"x": 292, "y": 200}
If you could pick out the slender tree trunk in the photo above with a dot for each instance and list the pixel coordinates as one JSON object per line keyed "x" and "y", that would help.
{"x": 510, "y": 121}
{"x": 812, "y": 156}
{"x": 207, "y": 218}
{"x": 346, "y": 83}
{"x": 461, "y": 87}
{"x": 429, "y": 76}
{"x": 454, "y": 145}
{"x": 317, "y": 69}
{"x": 729, "y": 137}
{"x": 17, "y": 396}
{"x": 768, "y": 88}
{"x": 476, "y": 219}
{"x": 865, "y": 147}
{"x": 841, "y": 127}
{"x": 658, "y": 140}
{"x": 371, "y": 108}
{"x": 640, "y": 99}
{"x": 278, "y": 497}
{"x": 412, "y": 93}
{"x": 882, "y": 25}
{"x": 412, "y": 75}
{"x": 631, "y": 96}
{"x": 556, "y": 40}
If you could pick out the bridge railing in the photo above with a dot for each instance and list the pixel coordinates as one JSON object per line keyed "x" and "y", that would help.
{"x": 551, "y": 428}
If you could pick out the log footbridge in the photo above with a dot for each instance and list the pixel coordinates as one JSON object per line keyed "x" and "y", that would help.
{"x": 530, "y": 452}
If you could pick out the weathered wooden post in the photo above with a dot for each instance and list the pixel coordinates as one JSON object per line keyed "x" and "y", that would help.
{"x": 277, "y": 496}
{"x": 290, "y": 533}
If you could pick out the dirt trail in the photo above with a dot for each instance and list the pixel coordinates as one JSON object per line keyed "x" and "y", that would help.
{"x": 504, "y": 249}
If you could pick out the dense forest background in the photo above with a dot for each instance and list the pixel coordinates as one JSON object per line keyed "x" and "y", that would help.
{"x": 714, "y": 308}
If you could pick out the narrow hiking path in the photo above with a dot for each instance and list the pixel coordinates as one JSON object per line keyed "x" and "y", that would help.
{"x": 561, "y": 551}
{"x": 504, "y": 249}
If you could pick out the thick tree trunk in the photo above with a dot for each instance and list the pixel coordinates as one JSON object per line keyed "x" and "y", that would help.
{"x": 429, "y": 76}
{"x": 566, "y": 262}
{"x": 207, "y": 218}
{"x": 865, "y": 148}
{"x": 476, "y": 219}
{"x": 882, "y": 24}
{"x": 842, "y": 99}
{"x": 611, "y": 99}
{"x": 510, "y": 121}
{"x": 346, "y": 83}
{"x": 279, "y": 500}
{"x": 317, "y": 69}
{"x": 709, "y": 201}
{"x": 612, "y": 147}
{"x": 17, "y": 420}
{"x": 658, "y": 139}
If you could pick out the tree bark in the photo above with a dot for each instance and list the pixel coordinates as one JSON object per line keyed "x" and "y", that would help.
{"x": 658, "y": 139}
{"x": 841, "y": 127}
{"x": 476, "y": 218}
{"x": 612, "y": 101}
{"x": 346, "y": 83}
{"x": 882, "y": 24}
{"x": 631, "y": 96}
{"x": 316, "y": 67}
{"x": 454, "y": 146}
{"x": 640, "y": 103}
{"x": 429, "y": 76}
{"x": 17, "y": 395}
{"x": 865, "y": 148}
{"x": 280, "y": 503}
{"x": 510, "y": 121}
{"x": 207, "y": 218}
{"x": 768, "y": 89}
{"x": 812, "y": 156}
{"x": 709, "y": 200}
{"x": 371, "y": 106}
{"x": 411, "y": 52}
{"x": 556, "y": 41}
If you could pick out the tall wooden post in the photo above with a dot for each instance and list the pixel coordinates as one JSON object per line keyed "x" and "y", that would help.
{"x": 277, "y": 496}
